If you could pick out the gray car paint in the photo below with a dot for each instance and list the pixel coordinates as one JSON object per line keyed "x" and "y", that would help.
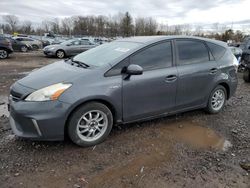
{"x": 69, "y": 50}
{"x": 140, "y": 97}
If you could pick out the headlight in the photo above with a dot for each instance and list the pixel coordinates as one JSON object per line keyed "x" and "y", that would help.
{"x": 52, "y": 92}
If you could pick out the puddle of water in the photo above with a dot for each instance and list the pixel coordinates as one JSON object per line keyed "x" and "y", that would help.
{"x": 197, "y": 136}
{"x": 159, "y": 151}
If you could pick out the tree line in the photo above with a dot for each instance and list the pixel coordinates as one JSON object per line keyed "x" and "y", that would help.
{"x": 121, "y": 24}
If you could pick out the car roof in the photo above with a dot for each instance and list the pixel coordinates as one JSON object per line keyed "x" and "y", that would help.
{"x": 153, "y": 39}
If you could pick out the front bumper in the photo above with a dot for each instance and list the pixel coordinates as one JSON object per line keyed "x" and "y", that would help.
{"x": 49, "y": 53}
{"x": 38, "y": 120}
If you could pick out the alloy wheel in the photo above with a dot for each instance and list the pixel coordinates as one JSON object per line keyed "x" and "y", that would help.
{"x": 92, "y": 125}
{"x": 218, "y": 99}
{"x": 60, "y": 54}
{"x": 3, "y": 54}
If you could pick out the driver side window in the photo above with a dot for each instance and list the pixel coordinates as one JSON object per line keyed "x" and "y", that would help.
{"x": 157, "y": 56}
{"x": 75, "y": 43}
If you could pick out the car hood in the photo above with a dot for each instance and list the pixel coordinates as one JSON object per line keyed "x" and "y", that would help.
{"x": 53, "y": 74}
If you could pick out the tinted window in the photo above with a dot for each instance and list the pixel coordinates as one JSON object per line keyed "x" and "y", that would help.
{"x": 192, "y": 51}
{"x": 154, "y": 57}
{"x": 85, "y": 42}
{"x": 77, "y": 42}
{"x": 217, "y": 51}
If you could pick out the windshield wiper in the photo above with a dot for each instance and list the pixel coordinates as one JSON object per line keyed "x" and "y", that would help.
{"x": 79, "y": 63}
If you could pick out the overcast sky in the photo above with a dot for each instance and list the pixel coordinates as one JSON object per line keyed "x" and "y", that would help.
{"x": 165, "y": 11}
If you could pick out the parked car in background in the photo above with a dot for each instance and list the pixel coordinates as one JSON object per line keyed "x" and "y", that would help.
{"x": 237, "y": 53}
{"x": 45, "y": 43}
{"x": 124, "y": 81}
{"x": 19, "y": 46}
{"x": 245, "y": 64}
{"x": 36, "y": 44}
{"x": 5, "y": 47}
{"x": 68, "y": 48}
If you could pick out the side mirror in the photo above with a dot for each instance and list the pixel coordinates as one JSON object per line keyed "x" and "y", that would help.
{"x": 134, "y": 69}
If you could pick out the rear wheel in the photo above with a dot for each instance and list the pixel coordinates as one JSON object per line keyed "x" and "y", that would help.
{"x": 246, "y": 75}
{"x": 217, "y": 100}
{"x": 60, "y": 54}
{"x": 24, "y": 49}
{"x": 3, "y": 54}
{"x": 90, "y": 124}
{"x": 35, "y": 47}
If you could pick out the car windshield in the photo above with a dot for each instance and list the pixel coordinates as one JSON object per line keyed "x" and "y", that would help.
{"x": 106, "y": 53}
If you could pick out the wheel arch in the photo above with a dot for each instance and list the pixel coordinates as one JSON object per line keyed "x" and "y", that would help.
{"x": 61, "y": 50}
{"x": 3, "y": 48}
{"x": 102, "y": 101}
{"x": 226, "y": 86}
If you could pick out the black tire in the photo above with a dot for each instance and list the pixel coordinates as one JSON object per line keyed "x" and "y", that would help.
{"x": 246, "y": 75}
{"x": 35, "y": 47}
{"x": 60, "y": 54}
{"x": 210, "y": 109}
{"x": 73, "y": 129}
{"x": 24, "y": 49}
{"x": 4, "y": 54}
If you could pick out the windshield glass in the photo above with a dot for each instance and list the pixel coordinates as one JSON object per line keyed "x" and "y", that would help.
{"x": 106, "y": 53}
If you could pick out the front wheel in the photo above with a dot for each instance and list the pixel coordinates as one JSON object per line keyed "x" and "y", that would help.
{"x": 60, "y": 54}
{"x": 90, "y": 124}
{"x": 3, "y": 54}
{"x": 217, "y": 100}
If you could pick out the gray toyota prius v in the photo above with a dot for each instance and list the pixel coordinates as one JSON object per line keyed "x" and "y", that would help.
{"x": 128, "y": 80}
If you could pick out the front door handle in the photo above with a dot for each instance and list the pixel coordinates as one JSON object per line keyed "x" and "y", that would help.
{"x": 213, "y": 70}
{"x": 171, "y": 78}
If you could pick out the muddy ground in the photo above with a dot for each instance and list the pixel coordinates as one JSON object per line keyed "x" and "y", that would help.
{"x": 192, "y": 149}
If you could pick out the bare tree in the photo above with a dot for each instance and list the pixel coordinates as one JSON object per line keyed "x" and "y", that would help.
{"x": 46, "y": 25}
{"x": 139, "y": 26}
{"x": 12, "y": 20}
{"x": 67, "y": 25}
{"x": 26, "y": 27}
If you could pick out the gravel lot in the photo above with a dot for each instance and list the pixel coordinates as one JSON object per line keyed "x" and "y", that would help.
{"x": 192, "y": 149}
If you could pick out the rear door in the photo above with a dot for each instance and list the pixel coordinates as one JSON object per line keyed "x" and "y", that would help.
{"x": 197, "y": 70}
{"x": 74, "y": 48}
{"x": 153, "y": 92}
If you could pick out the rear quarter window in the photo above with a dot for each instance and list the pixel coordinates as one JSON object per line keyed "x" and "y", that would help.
{"x": 217, "y": 50}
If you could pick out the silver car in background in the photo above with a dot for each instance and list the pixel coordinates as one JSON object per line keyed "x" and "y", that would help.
{"x": 35, "y": 44}
{"x": 68, "y": 48}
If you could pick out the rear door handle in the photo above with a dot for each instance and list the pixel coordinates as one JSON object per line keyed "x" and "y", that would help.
{"x": 171, "y": 78}
{"x": 213, "y": 70}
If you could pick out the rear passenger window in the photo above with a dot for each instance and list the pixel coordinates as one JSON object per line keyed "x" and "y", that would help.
{"x": 191, "y": 51}
{"x": 217, "y": 51}
{"x": 154, "y": 57}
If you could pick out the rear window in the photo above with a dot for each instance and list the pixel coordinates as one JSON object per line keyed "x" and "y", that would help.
{"x": 217, "y": 51}
{"x": 192, "y": 51}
